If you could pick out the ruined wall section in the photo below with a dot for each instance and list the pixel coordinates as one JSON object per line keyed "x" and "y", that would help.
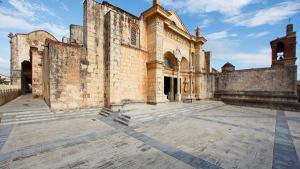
{"x": 37, "y": 72}
{"x": 65, "y": 74}
{"x": 46, "y": 74}
{"x": 20, "y": 50}
{"x": 76, "y": 34}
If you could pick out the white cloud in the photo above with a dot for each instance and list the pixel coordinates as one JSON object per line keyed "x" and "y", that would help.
{"x": 226, "y": 50}
{"x": 30, "y": 10}
{"x": 26, "y": 17}
{"x": 4, "y": 66}
{"x": 4, "y": 34}
{"x": 10, "y": 22}
{"x": 228, "y": 7}
{"x": 206, "y": 22}
{"x": 22, "y": 24}
{"x": 269, "y": 16}
{"x": 220, "y": 35}
{"x": 259, "y": 34}
{"x": 65, "y": 7}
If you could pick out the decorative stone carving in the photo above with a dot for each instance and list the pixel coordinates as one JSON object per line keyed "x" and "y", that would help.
{"x": 177, "y": 54}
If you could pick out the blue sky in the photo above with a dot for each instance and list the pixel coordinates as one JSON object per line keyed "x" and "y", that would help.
{"x": 238, "y": 31}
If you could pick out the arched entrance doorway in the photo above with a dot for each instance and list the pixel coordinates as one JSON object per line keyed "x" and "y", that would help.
{"x": 26, "y": 77}
{"x": 170, "y": 76}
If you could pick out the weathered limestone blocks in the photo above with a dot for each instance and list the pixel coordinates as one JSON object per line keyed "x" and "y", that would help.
{"x": 65, "y": 88}
{"x": 263, "y": 87}
{"x": 76, "y": 34}
{"x": 261, "y": 79}
{"x": 20, "y": 47}
{"x": 37, "y": 79}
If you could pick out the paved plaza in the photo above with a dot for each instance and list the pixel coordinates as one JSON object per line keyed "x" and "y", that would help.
{"x": 192, "y": 135}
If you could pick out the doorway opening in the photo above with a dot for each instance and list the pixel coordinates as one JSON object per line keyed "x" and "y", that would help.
{"x": 167, "y": 87}
{"x": 26, "y": 77}
{"x": 170, "y": 88}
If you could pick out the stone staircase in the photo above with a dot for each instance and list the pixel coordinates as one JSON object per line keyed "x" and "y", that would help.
{"x": 131, "y": 119}
{"x": 27, "y": 109}
{"x": 123, "y": 119}
{"x": 40, "y": 115}
{"x": 105, "y": 112}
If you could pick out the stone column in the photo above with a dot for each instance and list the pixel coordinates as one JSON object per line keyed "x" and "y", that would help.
{"x": 190, "y": 84}
{"x": 172, "y": 89}
{"x": 155, "y": 34}
{"x": 178, "y": 95}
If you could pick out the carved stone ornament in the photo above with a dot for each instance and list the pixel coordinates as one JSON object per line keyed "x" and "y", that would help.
{"x": 177, "y": 54}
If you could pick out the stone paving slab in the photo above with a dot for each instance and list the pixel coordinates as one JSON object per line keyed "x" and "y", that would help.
{"x": 31, "y": 134}
{"x": 219, "y": 137}
{"x": 25, "y": 103}
{"x": 116, "y": 151}
{"x": 293, "y": 121}
{"x": 228, "y": 142}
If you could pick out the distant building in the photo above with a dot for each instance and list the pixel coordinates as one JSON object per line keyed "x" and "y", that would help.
{"x": 4, "y": 79}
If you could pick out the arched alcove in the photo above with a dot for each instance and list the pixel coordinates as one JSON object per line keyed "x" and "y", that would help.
{"x": 170, "y": 61}
{"x": 184, "y": 64}
{"x": 280, "y": 51}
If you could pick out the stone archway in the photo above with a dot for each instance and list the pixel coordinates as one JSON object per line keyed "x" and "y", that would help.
{"x": 170, "y": 77}
{"x": 26, "y": 77}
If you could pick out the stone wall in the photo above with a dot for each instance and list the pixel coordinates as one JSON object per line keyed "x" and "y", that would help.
{"x": 126, "y": 73}
{"x": 268, "y": 87}
{"x": 93, "y": 59}
{"x": 65, "y": 76}
{"x": 20, "y": 50}
{"x": 37, "y": 79}
{"x": 76, "y": 34}
{"x": 262, "y": 79}
{"x": 207, "y": 86}
{"x": 8, "y": 93}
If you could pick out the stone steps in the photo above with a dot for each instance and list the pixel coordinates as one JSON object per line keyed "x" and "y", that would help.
{"x": 123, "y": 120}
{"x": 105, "y": 112}
{"x": 132, "y": 119}
{"x": 44, "y": 116}
{"x": 25, "y": 112}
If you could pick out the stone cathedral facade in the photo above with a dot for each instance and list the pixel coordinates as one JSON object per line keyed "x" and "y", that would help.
{"x": 115, "y": 58}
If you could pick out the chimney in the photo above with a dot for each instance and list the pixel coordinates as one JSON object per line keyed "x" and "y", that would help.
{"x": 156, "y": 2}
{"x": 289, "y": 29}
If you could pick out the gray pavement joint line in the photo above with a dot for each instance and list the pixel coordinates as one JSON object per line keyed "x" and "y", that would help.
{"x": 46, "y": 147}
{"x": 4, "y": 133}
{"x": 284, "y": 152}
{"x": 234, "y": 125}
{"x": 180, "y": 155}
{"x": 173, "y": 152}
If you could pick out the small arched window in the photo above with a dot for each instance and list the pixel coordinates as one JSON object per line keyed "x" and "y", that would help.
{"x": 280, "y": 51}
{"x": 133, "y": 35}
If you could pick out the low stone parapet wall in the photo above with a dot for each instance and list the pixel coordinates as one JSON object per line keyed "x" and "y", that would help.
{"x": 8, "y": 93}
{"x": 274, "y": 100}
